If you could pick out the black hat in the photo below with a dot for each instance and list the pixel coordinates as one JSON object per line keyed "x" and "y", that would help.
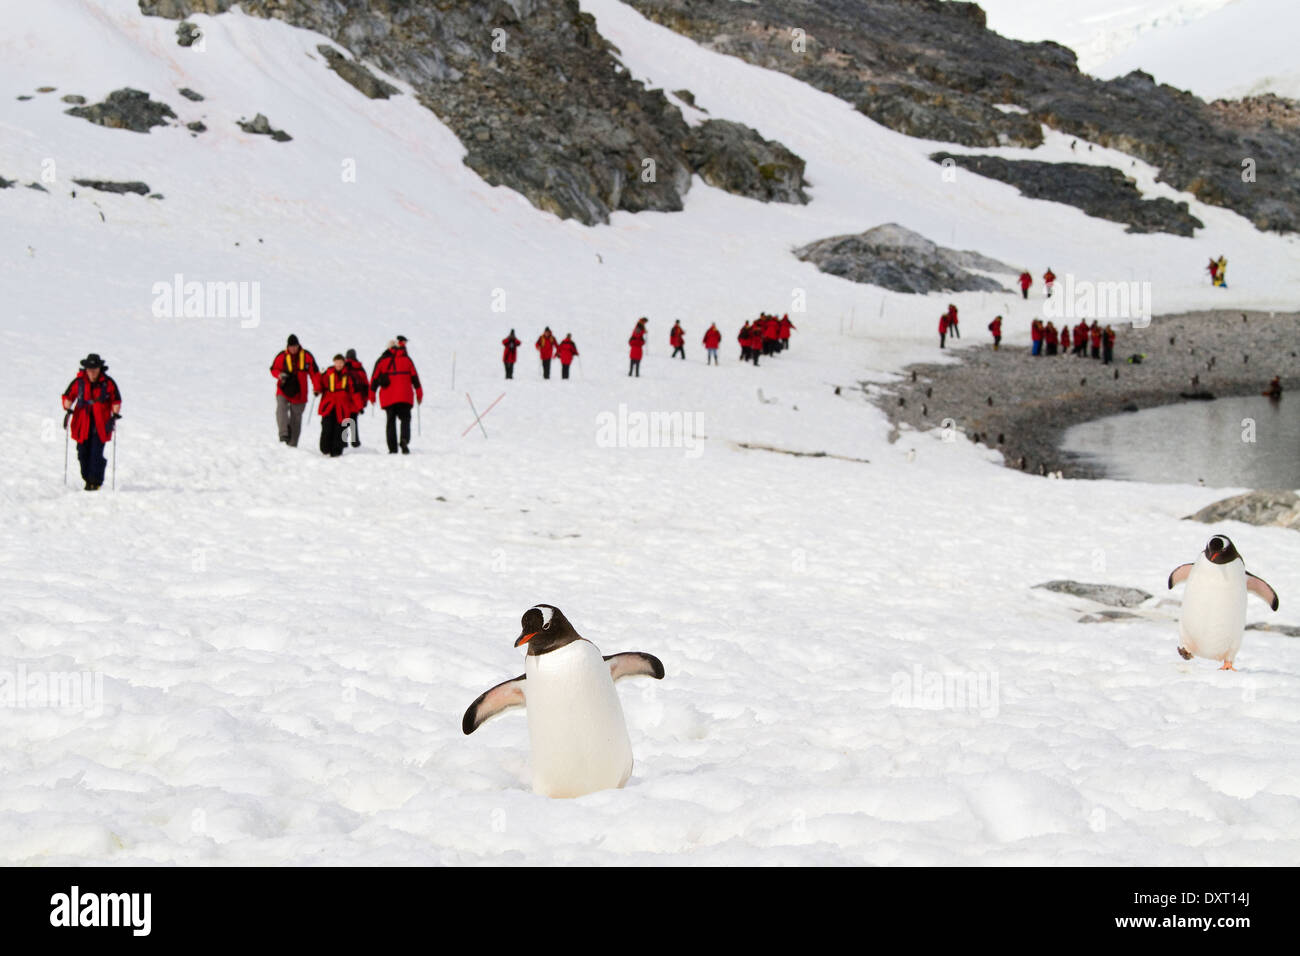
{"x": 293, "y": 340}
{"x": 352, "y": 355}
{"x": 401, "y": 338}
{"x": 93, "y": 361}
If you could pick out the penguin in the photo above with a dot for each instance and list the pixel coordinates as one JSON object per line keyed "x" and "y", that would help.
{"x": 1214, "y": 603}
{"x": 576, "y": 729}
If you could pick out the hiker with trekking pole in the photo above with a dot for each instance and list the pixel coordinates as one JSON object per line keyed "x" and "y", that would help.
{"x": 92, "y": 404}
{"x": 294, "y": 371}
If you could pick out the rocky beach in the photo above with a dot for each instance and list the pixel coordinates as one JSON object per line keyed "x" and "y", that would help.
{"x": 1022, "y": 405}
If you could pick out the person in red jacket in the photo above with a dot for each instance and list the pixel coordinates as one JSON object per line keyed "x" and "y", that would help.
{"x": 92, "y": 404}
{"x": 996, "y": 328}
{"x": 1081, "y": 338}
{"x": 743, "y": 339}
{"x": 1107, "y": 346}
{"x": 712, "y": 339}
{"x": 337, "y": 395}
{"x": 567, "y": 351}
{"x": 1051, "y": 338}
{"x": 943, "y": 328}
{"x": 1026, "y": 280}
{"x": 1094, "y": 339}
{"x": 636, "y": 345}
{"x": 1065, "y": 338}
{"x": 677, "y": 339}
{"x": 293, "y": 370}
{"x": 360, "y": 392}
{"x": 510, "y": 353}
{"x": 545, "y": 346}
{"x": 953, "y": 329}
{"x": 783, "y": 329}
{"x": 771, "y": 335}
{"x": 395, "y": 384}
{"x": 1036, "y": 336}
{"x": 1049, "y": 279}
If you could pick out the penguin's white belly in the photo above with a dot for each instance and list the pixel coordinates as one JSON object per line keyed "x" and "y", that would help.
{"x": 575, "y": 723}
{"x": 1214, "y": 610}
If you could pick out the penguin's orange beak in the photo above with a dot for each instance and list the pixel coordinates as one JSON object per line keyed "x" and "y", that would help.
{"x": 524, "y": 638}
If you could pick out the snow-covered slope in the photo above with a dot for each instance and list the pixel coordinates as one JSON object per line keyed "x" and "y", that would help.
{"x": 1099, "y": 30}
{"x": 1248, "y": 47}
{"x": 287, "y": 643}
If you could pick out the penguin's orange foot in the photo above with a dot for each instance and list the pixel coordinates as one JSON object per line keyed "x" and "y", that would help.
{"x": 1227, "y": 666}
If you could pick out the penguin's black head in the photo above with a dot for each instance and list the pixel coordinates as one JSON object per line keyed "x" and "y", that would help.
{"x": 545, "y": 628}
{"x": 1221, "y": 550}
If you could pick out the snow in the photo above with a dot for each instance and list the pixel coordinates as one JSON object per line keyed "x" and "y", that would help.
{"x": 857, "y": 669}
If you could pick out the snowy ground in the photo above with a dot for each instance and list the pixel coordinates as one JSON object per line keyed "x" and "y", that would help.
{"x": 287, "y": 643}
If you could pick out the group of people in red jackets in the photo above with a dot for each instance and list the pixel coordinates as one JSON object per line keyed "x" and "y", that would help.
{"x": 1048, "y": 340}
{"x": 948, "y": 325}
{"x": 547, "y": 350}
{"x": 344, "y": 390}
{"x": 1026, "y": 280}
{"x": 766, "y": 335}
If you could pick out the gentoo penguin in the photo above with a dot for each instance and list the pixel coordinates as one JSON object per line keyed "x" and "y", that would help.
{"x": 576, "y": 728}
{"x": 1214, "y": 603}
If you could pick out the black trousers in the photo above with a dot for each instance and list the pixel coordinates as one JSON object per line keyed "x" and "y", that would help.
{"x": 954, "y": 331}
{"x": 398, "y": 411}
{"x": 90, "y": 453}
{"x": 680, "y": 350}
{"x": 331, "y": 436}
{"x": 634, "y": 367}
{"x": 546, "y": 368}
{"x": 510, "y": 369}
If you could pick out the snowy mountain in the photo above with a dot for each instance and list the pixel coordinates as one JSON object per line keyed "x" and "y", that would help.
{"x": 280, "y": 646}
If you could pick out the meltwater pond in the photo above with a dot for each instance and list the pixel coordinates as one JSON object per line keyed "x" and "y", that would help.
{"x": 1192, "y": 441}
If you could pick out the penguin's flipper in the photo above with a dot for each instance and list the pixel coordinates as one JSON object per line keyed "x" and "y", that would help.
{"x": 634, "y": 664}
{"x": 1179, "y": 574}
{"x": 1262, "y": 589}
{"x": 507, "y": 694}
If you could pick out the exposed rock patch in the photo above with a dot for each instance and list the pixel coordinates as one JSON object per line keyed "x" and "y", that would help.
{"x": 105, "y": 186}
{"x": 1109, "y": 594}
{"x": 1100, "y": 191}
{"x": 896, "y": 258}
{"x": 357, "y": 75}
{"x": 189, "y": 94}
{"x": 126, "y": 109}
{"x": 259, "y": 125}
{"x": 1269, "y": 508}
{"x": 736, "y": 158}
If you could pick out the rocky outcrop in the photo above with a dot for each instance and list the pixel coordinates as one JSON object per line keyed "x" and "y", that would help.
{"x": 259, "y": 125}
{"x": 537, "y": 97}
{"x": 736, "y": 158}
{"x": 126, "y": 109}
{"x": 1100, "y": 191}
{"x": 1270, "y": 508}
{"x": 896, "y": 258}
{"x": 933, "y": 69}
{"x": 190, "y": 95}
{"x": 105, "y": 186}
{"x": 357, "y": 75}
{"x": 1111, "y": 595}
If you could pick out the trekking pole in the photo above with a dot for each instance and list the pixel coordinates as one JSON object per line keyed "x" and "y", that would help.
{"x": 419, "y": 422}
{"x": 115, "y": 441}
{"x": 66, "y": 435}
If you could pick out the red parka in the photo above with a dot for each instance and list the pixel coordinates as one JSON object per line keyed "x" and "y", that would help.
{"x": 1094, "y": 336}
{"x": 1026, "y": 280}
{"x": 302, "y": 365}
{"x": 566, "y": 351}
{"x": 360, "y": 384}
{"x": 676, "y": 336}
{"x": 338, "y": 394}
{"x": 1050, "y": 334}
{"x": 546, "y": 345}
{"x": 511, "y": 351}
{"x": 712, "y": 338}
{"x": 637, "y": 343}
{"x": 1036, "y": 330}
{"x": 996, "y": 327}
{"x": 89, "y": 402}
{"x": 785, "y": 326}
{"x": 394, "y": 379}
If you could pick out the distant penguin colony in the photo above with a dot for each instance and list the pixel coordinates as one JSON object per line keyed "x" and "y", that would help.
{"x": 1214, "y": 603}
{"x": 576, "y": 730}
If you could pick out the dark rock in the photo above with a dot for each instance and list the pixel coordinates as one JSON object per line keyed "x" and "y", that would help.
{"x": 74, "y": 99}
{"x": 736, "y": 158}
{"x": 45, "y": 89}
{"x": 187, "y": 34}
{"x": 1110, "y": 594}
{"x": 259, "y": 125}
{"x": 189, "y": 94}
{"x": 686, "y": 96}
{"x": 197, "y": 126}
{"x": 1287, "y": 630}
{"x": 1102, "y": 617}
{"x": 37, "y": 186}
{"x": 126, "y": 109}
{"x": 105, "y": 186}
{"x": 1271, "y": 508}
{"x": 1100, "y": 191}
{"x": 25, "y": 96}
{"x": 356, "y": 74}
{"x": 896, "y": 258}
{"x": 6, "y": 183}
